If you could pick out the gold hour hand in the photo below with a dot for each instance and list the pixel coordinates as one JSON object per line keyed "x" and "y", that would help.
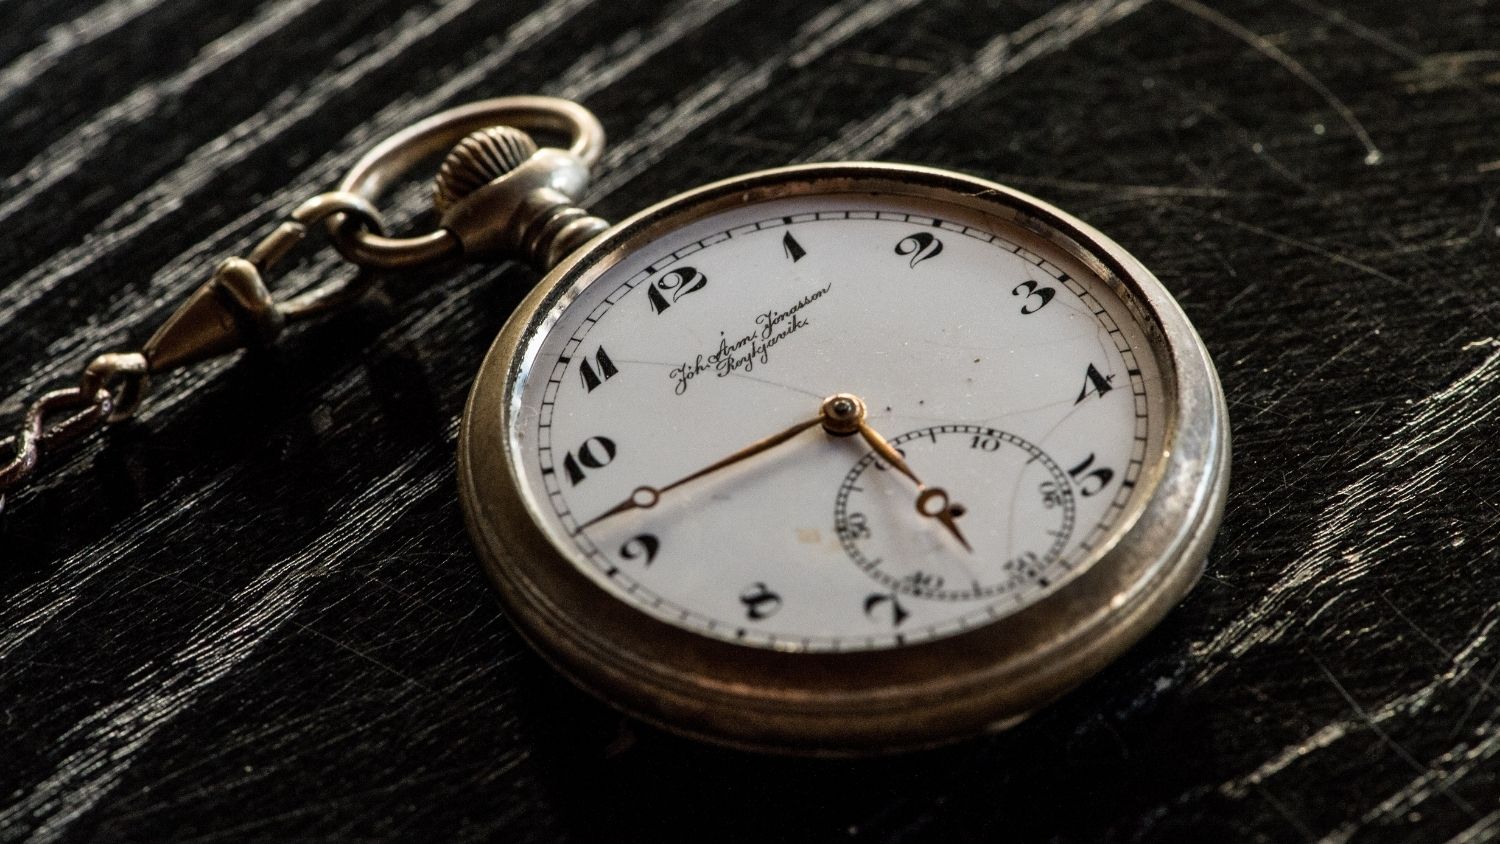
{"x": 887, "y": 451}
{"x": 945, "y": 512}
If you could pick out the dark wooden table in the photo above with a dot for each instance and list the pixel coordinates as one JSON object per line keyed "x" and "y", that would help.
{"x": 254, "y": 613}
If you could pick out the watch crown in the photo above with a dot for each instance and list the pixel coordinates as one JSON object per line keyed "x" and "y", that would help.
{"x": 477, "y": 160}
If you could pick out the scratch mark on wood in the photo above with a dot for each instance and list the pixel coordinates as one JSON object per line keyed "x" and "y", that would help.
{"x": 67, "y": 37}
{"x": 1385, "y": 737}
{"x": 1119, "y": 190}
{"x": 102, "y": 746}
{"x": 1486, "y": 828}
{"x": 1362, "y": 517}
{"x": 1461, "y": 669}
{"x": 1249, "y": 139}
{"x": 1361, "y": 31}
{"x": 1305, "y": 246}
{"x": 1286, "y": 813}
{"x": 1264, "y": 46}
{"x": 602, "y": 67}
{"x": 1452, "y": 70}
{"x": 1056, "y": 30}
{"x": 1304, "y": 378}
{"x": 735, "y": 85}
{"x": 29, "y": 611}
{"x": 68, "y": 155}
{"x": 1446, "y": 770}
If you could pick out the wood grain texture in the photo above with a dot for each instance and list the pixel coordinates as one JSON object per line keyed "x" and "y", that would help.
{"x": 254, "y": 613}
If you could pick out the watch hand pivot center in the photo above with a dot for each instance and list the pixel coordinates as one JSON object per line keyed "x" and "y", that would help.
{"x": 842, "y": 414}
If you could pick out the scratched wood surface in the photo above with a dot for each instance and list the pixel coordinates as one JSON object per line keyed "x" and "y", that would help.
{"x": 254, "y": 613}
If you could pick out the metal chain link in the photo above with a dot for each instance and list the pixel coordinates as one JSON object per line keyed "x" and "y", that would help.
{"x": 526, "y": 209}
{"x": 233, "y": 310}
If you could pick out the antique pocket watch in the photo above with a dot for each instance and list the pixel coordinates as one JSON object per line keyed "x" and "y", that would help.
{"x": 832, "y": 458}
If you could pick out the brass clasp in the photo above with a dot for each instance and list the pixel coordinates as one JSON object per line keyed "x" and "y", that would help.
{"x": 498, "y": 194}
{"x": 235, "y": 308}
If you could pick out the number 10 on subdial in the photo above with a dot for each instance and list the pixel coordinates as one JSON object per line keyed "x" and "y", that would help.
{"x": 1017, "y": 511}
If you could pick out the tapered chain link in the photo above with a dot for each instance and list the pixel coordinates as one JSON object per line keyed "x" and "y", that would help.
{"x": 233, "y": 310}
{"x": 500, "y": 196}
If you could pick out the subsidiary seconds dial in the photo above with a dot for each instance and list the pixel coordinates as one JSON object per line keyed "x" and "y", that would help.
{"x": 1014, "y": 502}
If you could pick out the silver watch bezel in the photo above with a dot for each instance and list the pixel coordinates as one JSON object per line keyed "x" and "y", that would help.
{"x": 868, "y": 701}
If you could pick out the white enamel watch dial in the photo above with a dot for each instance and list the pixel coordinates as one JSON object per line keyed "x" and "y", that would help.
{"x": 1009, "y": 381}
{"x": 652, "y": 462}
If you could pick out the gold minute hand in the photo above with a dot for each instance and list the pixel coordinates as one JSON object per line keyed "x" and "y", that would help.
{"x": 646, "y": 497}
{"x": 840, "y": 413}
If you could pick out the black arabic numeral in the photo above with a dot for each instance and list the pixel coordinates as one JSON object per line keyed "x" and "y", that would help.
{"x": 920, "y": 246}
{"x": 677, "y": 283}
{"x": 897, "y": 612}
{"x": 595, "y": 453}
{"x": 1053, "y": 494}
{"x": 1082, "y": 476}
{"x": 856, "y": 526}
{"x": 1031, "y": 290}
{"x": 985, "y": 442}
{"x": 646, "y": 545}
{"x": 658, "y": 302}
{"x": 1026, "y": 566}
{"x": 920, "y": 582}
{"x": 792, "y": 248}
{"x": 1095, "y": 384}
{"x": 760, "y": 602}
{"x": 594, "y": 374}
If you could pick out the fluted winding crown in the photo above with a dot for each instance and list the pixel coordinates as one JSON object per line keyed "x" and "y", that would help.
{"x": 477, "y": 160}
